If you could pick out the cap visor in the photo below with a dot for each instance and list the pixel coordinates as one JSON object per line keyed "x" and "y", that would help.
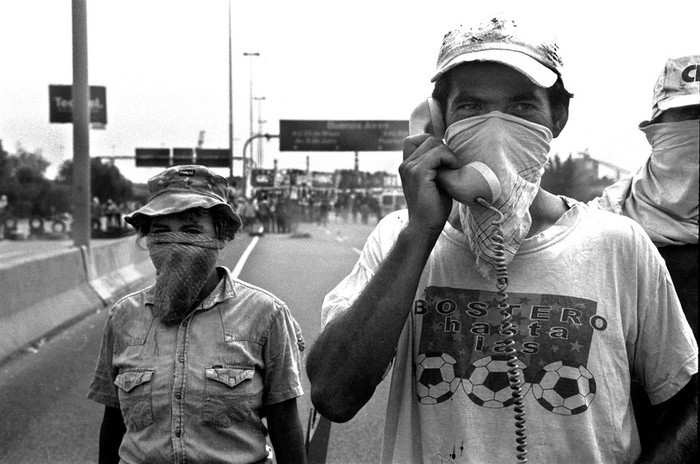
{"x": 679, "y": 100}
{"x": 533, "y": 69}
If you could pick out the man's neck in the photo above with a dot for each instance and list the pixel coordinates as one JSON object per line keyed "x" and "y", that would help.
{"x": 545, "y": 210}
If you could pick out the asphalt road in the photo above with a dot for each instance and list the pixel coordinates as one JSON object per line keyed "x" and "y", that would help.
{"x": 45, "y": 418}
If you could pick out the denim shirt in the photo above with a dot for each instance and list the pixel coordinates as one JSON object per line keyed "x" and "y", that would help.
{"x": 196, "y": 392}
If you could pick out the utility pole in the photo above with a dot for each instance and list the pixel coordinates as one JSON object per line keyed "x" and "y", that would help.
{"x": 81, "y": 127}
{"x": 230, "y": 95}
{"x": 245, "y": 161}
{"x": 260, "y": 130}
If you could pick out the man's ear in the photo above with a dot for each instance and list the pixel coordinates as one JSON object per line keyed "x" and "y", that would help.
{"x": 560, "y": 116}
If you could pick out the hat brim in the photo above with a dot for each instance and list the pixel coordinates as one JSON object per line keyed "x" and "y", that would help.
{"x": 530, "y": 67}
{"x": 679, "y": 100}
{"x": 176, "y": 202}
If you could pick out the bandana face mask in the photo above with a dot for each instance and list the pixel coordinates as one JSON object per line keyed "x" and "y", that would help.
{"x": 184, "y": 262}
{"x": 665, "y": 191}
{"x": 517, "y": 151}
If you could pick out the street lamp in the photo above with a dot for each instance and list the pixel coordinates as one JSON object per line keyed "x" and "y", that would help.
{"x": 260, "y": 130}
{"x": 230, "y": 95}
{"x": 245, "y": 161}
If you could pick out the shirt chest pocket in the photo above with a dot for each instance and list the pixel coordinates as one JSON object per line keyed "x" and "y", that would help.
{"x": 228, "y": 397}
{"x": 135, "y": 397}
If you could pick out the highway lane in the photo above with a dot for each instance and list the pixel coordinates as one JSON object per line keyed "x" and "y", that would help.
{"x": 44, "y": 416}
{"x": 301, "y": 271}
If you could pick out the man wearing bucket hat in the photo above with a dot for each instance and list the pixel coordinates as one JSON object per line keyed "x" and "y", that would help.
{"x": 662, "y": 196}
{"x": 481, "y": 375}
{"x": 190, "y": 366}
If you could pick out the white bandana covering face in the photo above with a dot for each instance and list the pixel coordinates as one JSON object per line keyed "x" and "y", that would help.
{"x": 517, "y": 151}
{"x": 664, "y": 194}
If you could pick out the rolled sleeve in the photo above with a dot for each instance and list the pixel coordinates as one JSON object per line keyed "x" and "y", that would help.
{"x": 102, "y": 388}
{"x": 282, "y": 355}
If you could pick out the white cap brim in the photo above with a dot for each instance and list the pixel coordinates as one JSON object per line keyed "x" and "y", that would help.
{"x": 530, "y": 67}
{"x": 679, "y": 100}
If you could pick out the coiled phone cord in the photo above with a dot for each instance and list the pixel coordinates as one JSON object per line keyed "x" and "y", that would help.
{"x": 508, "y": 330}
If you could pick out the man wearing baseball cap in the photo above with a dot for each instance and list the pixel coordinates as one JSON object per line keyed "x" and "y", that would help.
{"x": 513, "y": 322}
{"x": 662, "y": 196}
{"x": 190, "y": 366}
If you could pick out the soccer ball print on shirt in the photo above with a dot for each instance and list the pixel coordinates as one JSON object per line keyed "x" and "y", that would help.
{"x": 461, "y": 350}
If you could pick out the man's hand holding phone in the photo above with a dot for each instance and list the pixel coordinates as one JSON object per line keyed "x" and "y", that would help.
{"x": 428, "y": 205}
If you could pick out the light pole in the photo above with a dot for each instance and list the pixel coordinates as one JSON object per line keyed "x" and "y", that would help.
{"x": 260, "y": 130}
{"x": 230, "y": 95}
{"x": 245, "y": 161}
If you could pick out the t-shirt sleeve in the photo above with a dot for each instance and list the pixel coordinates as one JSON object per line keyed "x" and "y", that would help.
{"x": 666, "y": 354}
{"x": 377, "y": 246}
{"x": 102, "y": 389}
{"x": 282, "y": 355}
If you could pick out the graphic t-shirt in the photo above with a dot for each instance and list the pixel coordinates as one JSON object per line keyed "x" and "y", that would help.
{"x": 592, "y": 306}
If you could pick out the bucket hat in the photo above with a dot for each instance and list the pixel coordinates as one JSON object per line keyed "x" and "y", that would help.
{"x": 180, "y": 188}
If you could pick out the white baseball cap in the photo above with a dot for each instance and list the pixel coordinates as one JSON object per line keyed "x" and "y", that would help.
{"x": 678, "y": 85}
{"x": 503, "y": 41}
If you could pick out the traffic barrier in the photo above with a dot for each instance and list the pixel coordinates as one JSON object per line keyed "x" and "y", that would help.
{"x": 43, "y": 293}
{"x": 113, "y": 267}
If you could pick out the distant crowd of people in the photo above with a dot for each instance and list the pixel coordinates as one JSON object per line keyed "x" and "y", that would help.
{"x": 109, "y": 214}
{"x": 274, "y": 212}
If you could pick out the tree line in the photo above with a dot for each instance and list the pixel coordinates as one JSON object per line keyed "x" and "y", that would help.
{"x": 30, "y": 193}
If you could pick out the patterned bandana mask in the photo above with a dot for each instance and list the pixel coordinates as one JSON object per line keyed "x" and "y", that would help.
{"x": 517, "y": 151}
{"x": 183, "y": 263}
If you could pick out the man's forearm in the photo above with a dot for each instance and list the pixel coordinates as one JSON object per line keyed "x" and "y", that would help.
{"x": 352, "y": 353}
{"x": 286, "y": 432}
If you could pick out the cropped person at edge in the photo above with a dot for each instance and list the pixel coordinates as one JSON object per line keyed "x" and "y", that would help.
{"x": 662, "y": 196}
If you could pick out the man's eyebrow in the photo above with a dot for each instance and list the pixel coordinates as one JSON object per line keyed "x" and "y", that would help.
{"x": 524, "y": 95}
{"x": 528, "y": 94}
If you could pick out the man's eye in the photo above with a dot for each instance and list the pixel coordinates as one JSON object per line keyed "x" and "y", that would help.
{"x": 524, "y": 106}
{"x": 466, "y": 106}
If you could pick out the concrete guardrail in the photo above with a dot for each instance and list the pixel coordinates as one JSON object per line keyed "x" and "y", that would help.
{"x": 43, "y": 293}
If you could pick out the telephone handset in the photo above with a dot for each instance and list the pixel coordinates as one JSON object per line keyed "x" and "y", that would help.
{"x": 476, "y": 184}
{"x": 467, "y": 183}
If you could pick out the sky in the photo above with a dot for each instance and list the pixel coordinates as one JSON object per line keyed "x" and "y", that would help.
{"x": 165, "y": 65}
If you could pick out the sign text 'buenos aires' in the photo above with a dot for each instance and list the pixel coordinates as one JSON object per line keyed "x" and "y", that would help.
{"x": 316, "y": 135}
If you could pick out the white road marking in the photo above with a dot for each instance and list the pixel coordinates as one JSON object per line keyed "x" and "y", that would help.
{"x": 244, "y": 257}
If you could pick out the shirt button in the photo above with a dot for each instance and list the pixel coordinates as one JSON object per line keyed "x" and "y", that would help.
{"x": 178, "y": 432}
{"x": 184, "y": 323}
{"x": 178, "y": 395}
{"x": 181, "y": 358}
